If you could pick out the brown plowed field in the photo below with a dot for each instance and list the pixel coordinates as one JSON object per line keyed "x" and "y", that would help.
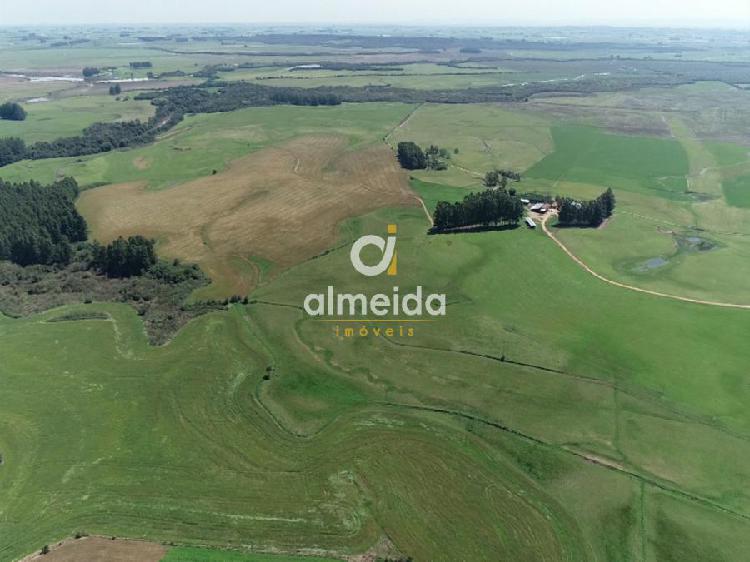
{"x": 282, "y": 204}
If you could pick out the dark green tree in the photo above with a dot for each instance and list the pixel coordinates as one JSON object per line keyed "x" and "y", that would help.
{"x": 39, "y": 223}
{"x": 12, "y": 111}
{"x": 410, "y": 156}
{"x": 124, "y": 257}
{"x": 12, "y": 149}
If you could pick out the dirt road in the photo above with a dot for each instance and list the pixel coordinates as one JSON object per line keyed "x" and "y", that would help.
{"x": 580, "y": 262}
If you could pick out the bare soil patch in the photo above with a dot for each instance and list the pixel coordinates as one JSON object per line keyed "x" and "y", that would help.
{"x": 282, "y": 204}
{"x": 99, "y": 549}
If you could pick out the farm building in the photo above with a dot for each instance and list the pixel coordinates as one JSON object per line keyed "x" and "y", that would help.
{"x": 539, "y": 208}
{"x": 530, "y": 222}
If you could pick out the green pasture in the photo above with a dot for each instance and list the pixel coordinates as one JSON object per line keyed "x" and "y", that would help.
{"x": 113, "y": 53}
{"x": 203, "y": 143}
{"x": 67, "y": 117}
{"x": 348, "y": 439}
{"x": 14, "y": 89}
{"x": 648, "y": 242}
{"x": 737, "y": 191}
{"x": 486, "y": 135}
{"x": 589, "y": 155}
{"x": 417, "y": 75}
{"x": 431, "y": 193}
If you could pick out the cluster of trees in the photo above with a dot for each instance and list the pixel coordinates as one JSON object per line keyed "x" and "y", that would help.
{"x": 305, "y": 98}
{"x": 115, "y": 90}
{"x": 490, "y": 207}
{"x": 39, "y": 223}
{"x": 585, "y": 213}
{"x": 499, "y": 178}
{"x": 124, "y": 257}
{"x": 436, "y": 157}
{"x": 89, "y": 71}
{"x": 12, "y": 149}
{"x": 12, "y": 111}
{"x": 141, "y": 64}
{"x": 412, "y": 157}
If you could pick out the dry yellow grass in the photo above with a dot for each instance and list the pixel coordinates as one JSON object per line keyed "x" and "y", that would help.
{"x": 282, "y": 204}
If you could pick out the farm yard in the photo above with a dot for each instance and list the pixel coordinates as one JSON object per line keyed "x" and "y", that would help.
{"x": 550, "y": 415}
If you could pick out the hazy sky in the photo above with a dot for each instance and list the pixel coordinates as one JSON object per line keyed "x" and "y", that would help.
{"x": 734, "y": 13}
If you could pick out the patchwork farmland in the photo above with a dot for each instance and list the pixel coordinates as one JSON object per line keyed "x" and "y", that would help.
{"x": 549, "y": 415}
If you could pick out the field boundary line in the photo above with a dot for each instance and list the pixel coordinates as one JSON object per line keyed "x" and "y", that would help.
{"x": 587, "y": 457}
{"x": 616, "y": 386}
{"x": 403, "y": 122}
{"x": 601, "y": 277}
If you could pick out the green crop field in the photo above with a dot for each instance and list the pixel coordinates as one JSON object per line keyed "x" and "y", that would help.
{"x": 589, "y": 155}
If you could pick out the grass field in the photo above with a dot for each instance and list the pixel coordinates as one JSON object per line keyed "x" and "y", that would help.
{"x": 431, "y": 193}
{"x": 589, "y": 155}
{"x": 737, "y": 191}
{"x": 680, "y": 226}
{"x": 204, "y": 143}
{"x": 189, "y": 443}
{"x": 67, "y": 117}
{"x": 486, "y": 135}
{"x": 549, "y": 416}
{"x": 14, "y": 89}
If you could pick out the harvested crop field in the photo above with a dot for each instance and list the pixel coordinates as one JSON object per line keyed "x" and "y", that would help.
{"x": 281, "y": 204}
{"x": 99, "y": 549}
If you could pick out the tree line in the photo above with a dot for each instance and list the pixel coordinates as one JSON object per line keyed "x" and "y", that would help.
{"x": 572, "y": 212}
{"x": 174, "y": 103}
{"x": 38, "y": 222}
{"x": 494, "y": 207}
{"x": 99, "y": 137}
{"x": 305, "y": 98}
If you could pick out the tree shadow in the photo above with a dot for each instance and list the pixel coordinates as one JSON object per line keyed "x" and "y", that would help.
{"x": 473, "y": 229}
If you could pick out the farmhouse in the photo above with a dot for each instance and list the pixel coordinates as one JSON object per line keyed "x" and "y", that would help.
{"x": 538, "y": 208}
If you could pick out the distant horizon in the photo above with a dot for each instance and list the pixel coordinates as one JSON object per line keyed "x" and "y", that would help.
{"x": 717, "y": 26}
{"x": 672, "y": 14}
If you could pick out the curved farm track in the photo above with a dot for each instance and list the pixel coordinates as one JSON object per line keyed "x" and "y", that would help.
{"x": 599, "y": 276}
